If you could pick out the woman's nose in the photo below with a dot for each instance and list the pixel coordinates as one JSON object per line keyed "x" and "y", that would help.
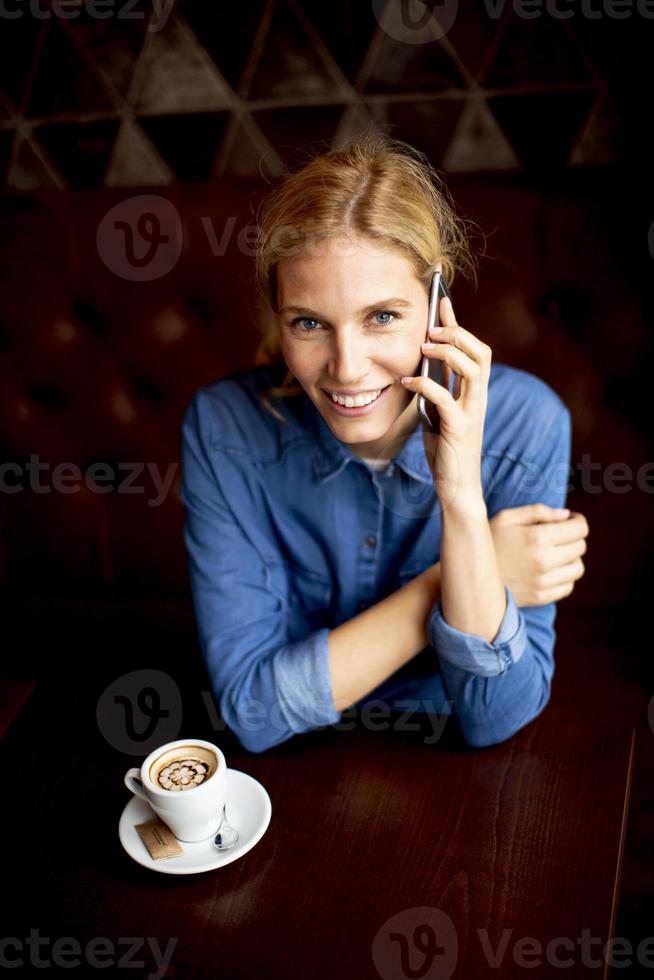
{"x": 349, "y": 359}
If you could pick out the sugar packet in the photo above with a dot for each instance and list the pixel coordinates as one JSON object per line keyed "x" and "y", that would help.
{"x": 159, "y": 839}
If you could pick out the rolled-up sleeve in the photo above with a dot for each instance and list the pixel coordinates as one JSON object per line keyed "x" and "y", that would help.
{"x": 268, "y": 689}
{"x": 497, "y": 688}
{"x": 474, "y": 653}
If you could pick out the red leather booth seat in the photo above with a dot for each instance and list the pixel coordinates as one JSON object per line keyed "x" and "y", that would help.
{"x": 96, "y": 368}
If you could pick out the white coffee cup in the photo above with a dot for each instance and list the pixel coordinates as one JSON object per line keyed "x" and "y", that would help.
{"x": 193, "y": 814}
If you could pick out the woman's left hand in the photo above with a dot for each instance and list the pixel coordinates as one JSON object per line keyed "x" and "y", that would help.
{"x": 454, "y": 456}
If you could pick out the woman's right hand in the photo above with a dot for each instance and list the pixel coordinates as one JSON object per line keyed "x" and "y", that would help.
{"x": 539, "y": 552}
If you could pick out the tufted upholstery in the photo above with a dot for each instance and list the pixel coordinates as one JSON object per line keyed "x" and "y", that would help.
{"x": 96, "y": 368}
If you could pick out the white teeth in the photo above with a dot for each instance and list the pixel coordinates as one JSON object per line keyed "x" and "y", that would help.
{"x": 350, "y": 401}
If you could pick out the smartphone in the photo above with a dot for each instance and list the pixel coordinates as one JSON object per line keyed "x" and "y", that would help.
{"x": 431, "y": 367}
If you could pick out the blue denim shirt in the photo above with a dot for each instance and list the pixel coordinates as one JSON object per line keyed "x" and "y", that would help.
{"x": 290, "y": 534}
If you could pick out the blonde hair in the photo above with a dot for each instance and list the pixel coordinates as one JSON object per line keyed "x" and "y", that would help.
{"x": 373, "y": 186}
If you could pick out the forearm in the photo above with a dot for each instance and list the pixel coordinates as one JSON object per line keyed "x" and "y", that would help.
{"x": 472, "y": 593}
{"x": 492, "y": 709}
{"x": 370, "y": 647}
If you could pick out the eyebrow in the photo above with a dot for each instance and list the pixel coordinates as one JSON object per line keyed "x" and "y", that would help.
{"x": 382, "y": 304}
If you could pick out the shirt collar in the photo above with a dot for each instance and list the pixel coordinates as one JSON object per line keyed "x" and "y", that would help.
{"x": 330, "y": 455}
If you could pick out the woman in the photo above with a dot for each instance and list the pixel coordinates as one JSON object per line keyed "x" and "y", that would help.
{"x": 338, "y": 553}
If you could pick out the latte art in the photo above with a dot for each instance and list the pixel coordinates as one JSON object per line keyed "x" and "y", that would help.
{"x": 183, "y": 767}
{"x": 184, "y": 774}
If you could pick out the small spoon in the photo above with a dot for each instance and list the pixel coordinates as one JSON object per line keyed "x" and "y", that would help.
{"x": 227, "y": 835}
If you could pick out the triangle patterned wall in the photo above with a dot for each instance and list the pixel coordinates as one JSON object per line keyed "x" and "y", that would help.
{"x": 196, "y": 89}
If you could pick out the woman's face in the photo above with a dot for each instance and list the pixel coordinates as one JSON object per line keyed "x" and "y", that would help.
{"x": 352, "y": 317}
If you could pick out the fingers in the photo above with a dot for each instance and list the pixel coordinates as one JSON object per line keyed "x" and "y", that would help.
{"x": 453, "y": 333}
{"x": 569, "y": 573}
{"x": 558, "y": 533}
{"x": 544, "y": 513}
{"x": 565, "y": 553}
{"x": 538, "y": 513}
{"x": 558, "y": 583}
{"x": 447, "y": 375}
{"x": 555, "y": 594}
{"x": 430, "y": 389}
{"x": 446, "y": 317}
{"x": 571, "y": 530}
{"x": 458, "y": 360}
{"x": 460, "y": 352}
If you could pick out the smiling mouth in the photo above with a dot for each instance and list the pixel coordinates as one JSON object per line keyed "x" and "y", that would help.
{"x": 356, "y": 401}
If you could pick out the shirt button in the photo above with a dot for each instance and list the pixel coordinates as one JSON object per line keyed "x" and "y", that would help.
{"x": 371, "y": 541}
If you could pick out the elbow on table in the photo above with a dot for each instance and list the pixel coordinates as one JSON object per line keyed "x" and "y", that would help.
{"x": 263, "y": 711}
{"x": 258, "y": 742}
{"x": 256, "y": 739}
{"x": 247, "y": 720}
{"x": 481, "y": 730}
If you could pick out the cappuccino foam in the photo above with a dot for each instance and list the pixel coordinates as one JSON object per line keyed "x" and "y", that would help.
{"x": 183, "y": 768}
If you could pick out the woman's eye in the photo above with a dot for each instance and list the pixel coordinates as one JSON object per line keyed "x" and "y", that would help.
{"x": 300, "y": 322}
{"x": 385, "y": 313}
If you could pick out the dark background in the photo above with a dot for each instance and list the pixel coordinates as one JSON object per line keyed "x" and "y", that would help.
{"x": 541, "y": 127}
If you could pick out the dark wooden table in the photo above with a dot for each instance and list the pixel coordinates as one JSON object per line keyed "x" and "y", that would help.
{"x": 380, "y": 845}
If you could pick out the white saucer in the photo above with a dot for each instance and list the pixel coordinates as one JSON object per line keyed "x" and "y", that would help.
{"x": 248, "y": 810}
